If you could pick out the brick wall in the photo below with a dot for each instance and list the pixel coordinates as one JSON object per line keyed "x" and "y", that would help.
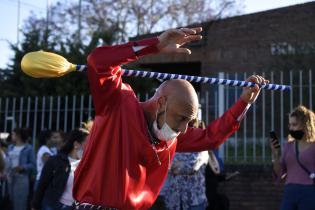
{"x": 245, "y": 43}
{"x": 253, "y": 189}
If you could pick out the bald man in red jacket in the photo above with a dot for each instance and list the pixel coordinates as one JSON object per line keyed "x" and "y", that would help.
{"x": 132, "y": 144}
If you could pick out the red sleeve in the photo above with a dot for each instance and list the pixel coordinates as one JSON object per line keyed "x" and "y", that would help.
{"x": 104, "y": 71}
{"x": 216, "y": 133}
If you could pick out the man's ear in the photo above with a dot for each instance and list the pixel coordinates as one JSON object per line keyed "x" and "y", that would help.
{"x": 161, "y": 103}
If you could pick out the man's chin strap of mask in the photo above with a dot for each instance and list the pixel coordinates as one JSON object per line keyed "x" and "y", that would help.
{"x": 165, "y": 133}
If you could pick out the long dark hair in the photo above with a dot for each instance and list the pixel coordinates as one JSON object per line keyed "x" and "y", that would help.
{"x": 76, "y": 135}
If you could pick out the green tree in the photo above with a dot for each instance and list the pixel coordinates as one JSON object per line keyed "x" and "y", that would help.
{"x": 37, "y": 37}
{"x": 73, "y": 30}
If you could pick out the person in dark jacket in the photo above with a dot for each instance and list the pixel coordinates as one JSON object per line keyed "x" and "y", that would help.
{"x": 54, "y": 189}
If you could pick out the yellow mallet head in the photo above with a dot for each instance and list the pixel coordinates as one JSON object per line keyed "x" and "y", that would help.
{"x": 42, "y": 64}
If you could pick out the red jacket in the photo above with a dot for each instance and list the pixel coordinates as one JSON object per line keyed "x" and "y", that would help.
{"x": 119, "y": 167}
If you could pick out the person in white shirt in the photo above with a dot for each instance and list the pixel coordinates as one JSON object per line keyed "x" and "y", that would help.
{"x": 43, "y": 153}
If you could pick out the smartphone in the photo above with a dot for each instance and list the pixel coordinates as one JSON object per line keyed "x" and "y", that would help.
{"x": 274, "y": 139}
{"x": 273, "y": 135}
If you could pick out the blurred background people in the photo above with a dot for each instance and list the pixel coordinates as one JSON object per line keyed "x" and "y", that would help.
{"x": 296, "y": 162}
{"x": 54, "y": 189}
{"x": 214, "y": 175}
{"x": 4, "y": 164}
{"x": 185, "y": 185}
{"x": 21, "y": 166}
{"x": 44, "y": 152}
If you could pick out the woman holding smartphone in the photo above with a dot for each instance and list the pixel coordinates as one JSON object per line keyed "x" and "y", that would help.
{"x": 297, "y": 161}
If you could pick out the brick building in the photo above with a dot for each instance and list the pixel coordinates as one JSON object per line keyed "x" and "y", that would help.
{"x": 255, "y": 42}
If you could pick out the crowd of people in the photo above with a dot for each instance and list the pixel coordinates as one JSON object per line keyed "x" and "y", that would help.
{"x": 128, "y": 161}
{"x": 45, "y": 181}
{"x": 42, "y": 179}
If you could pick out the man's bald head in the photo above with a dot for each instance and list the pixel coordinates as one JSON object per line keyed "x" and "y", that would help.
{"x": 180, "y": 98}
{"x": 178, "y": 91}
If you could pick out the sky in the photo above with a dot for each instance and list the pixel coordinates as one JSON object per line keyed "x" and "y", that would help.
{"x": 9, "y": 17}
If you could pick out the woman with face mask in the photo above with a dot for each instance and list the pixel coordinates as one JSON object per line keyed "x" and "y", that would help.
{"x": 54, "y": 189}
{"x": 297, "y": 161}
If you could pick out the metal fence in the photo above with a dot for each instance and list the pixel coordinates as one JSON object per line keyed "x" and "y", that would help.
{"x": 248, "y": 144}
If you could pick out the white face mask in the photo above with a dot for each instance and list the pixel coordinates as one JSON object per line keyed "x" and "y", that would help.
{"x": 165, "y": 133}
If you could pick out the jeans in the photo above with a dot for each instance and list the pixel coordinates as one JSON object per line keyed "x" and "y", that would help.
{"x": 19, "y": 189}
{"x": 298, "y": 197}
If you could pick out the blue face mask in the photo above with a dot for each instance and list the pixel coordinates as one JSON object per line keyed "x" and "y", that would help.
{"x": 166, "y": 133}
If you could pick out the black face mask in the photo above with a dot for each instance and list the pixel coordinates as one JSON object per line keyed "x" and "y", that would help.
{"x": 298, "y": 135}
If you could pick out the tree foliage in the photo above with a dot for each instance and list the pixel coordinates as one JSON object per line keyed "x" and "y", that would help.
{"x": 74, "y": 29}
